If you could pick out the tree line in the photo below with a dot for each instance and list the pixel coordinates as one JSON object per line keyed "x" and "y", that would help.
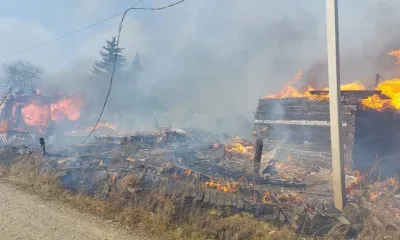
{"x": 25, "y": 77}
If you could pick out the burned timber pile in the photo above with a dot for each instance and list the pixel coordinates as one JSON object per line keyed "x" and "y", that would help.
{"x": 186, "y": 166}
{"x": 290, "y": 183}
{"x": 299, "y": 127}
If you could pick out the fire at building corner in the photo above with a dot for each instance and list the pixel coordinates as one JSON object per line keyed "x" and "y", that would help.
{"x": 36, "y": 114}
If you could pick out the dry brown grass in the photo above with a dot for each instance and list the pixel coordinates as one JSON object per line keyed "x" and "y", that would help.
{"x": 158, "y": 215}
{"x": 152, "y": 212}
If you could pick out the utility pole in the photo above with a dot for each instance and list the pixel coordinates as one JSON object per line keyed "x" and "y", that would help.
{"x": 335, "y": 103}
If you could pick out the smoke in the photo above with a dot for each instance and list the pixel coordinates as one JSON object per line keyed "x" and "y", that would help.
{"x": 210, "y": 60}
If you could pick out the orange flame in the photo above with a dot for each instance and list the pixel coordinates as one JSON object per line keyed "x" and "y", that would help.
{"x": 239, "y": 145}
{"x": 389, "y": 87}
{"x": 266, "y": 198}
{"x": 3, "y": 126}
{"x": 130, "y": 159}
{"x": 395, "y": 53}
{"x": 358, "y": 178}
{"x": 187, "y": 172}
{"x": 374, "y": 195}
{"x": 36, "y": 115}
{"x": 224, "y": 187}
{"x": 69, "y": 108}
{"x": 290, "y": 198}
{"x": 175, "y": 176}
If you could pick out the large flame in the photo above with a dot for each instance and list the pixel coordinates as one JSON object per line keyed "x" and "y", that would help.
{"x": 36, "y": 115}
{"x": 389, "y": 87}
{"x": 3, "y": 126}
{"x": 39, "y": 115}
{"x": 69, "y": 108}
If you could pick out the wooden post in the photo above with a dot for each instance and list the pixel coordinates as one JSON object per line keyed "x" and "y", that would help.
{"x": 257, "y": 156}
{"x": 334, "y": 103}
{"x": 377, "y": 79}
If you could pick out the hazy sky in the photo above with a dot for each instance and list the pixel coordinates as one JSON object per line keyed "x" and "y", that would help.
{"x": 233, "y": 50}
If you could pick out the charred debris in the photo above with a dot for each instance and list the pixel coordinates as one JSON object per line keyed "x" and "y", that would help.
{"x": 281, "y": 174}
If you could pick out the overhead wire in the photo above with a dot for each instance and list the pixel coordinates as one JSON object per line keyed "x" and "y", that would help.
{"x": 116, "y": 56}
{"x": 64, "y": 36}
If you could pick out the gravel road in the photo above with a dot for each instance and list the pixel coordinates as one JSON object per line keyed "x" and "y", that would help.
{"x": 26, "y": 217}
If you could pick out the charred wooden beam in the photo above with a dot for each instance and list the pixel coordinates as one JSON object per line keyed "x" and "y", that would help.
{"x": 359, "y": 94}
{"x": 257, "y": 156}
{"x": 42, "y": 145}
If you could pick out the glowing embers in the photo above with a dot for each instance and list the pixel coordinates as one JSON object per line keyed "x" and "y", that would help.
{"x": 230, "y": 187}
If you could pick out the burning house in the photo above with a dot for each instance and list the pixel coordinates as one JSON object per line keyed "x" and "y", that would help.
{"x": 36, "y": 113}
{"x": 295, "y": 124}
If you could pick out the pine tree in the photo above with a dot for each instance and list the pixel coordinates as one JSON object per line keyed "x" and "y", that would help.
{"x": 136, "y": 67}
{"x": 108, "y": 55}
{"x": 136, "y": 64}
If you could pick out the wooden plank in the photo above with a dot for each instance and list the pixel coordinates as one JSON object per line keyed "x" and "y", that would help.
{"x": 220, "y": 200}
{"x": 240, "y": 203}
{"x": 207, "y": 196}
{"x": 213, "y": 197}
{"x": 228, "y": 200}
{"x": 200, "y": 195}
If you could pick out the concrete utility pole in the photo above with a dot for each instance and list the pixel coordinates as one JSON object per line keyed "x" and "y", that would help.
{"x": 334, "y": 103}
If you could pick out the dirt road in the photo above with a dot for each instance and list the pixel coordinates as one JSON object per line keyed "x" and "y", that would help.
{"x": 24, "y": 216}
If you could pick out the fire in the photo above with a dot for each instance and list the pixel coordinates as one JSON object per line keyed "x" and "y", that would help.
{"x": 130, "y": 159}
{"x": 396, "y": 54}
{"x": 224, "y": 187}
{"x": 389, "y": 87}
{"x": 237, "y": 147}
{"x": 3, "y": 126}
{"x": 358, "y": 178}
{"x": 290, "y": 198}
{"x": 36, "y": 115}
{"x": 289, "y": 90}
{"x": 69, "y": 108}
{"x": 374, "y": 196}
{"x": 266, "y": 198}
{"x": 187, "y": 172}
{"x": 284, "y": 165}
{"x": 175, "y": 176}
{"x": 102, "y": 124}
{"x": 351, "y": 86}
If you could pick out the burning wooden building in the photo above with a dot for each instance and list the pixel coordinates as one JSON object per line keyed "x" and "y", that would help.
{"x": 298, "y": 128}
{"x": 37, "y": 113}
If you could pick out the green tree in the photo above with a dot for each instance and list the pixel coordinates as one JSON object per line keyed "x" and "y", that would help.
{"x": 106, "y": 64}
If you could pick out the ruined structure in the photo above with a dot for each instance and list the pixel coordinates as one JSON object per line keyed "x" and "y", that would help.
{"x": 299, "y": 128}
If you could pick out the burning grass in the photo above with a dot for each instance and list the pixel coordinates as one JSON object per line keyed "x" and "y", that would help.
{"x": 153, "y": 213}
{"x": 150, "y": 212}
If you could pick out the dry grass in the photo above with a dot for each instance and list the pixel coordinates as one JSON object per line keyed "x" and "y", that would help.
{"x": 157, "y": 215}
{"x": 152, "y": 212}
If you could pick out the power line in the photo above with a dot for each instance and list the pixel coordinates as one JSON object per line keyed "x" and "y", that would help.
{"x": 64, "y": 36}
{"x": 116, "y": 54}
